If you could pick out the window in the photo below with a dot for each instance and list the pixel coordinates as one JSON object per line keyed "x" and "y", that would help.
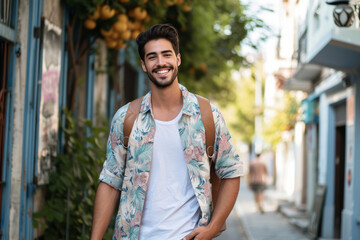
{"x": 6, "y": 17}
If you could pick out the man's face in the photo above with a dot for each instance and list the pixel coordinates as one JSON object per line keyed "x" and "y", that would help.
{"x": 160, "y": 62}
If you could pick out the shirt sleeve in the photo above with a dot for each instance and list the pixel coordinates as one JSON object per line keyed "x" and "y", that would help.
{"x": 227, "y": 161}
{"x": 114, "y": 165}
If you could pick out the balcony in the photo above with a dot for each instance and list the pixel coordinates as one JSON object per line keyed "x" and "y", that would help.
{"x": 329, "y": 45}
{"x": 339, "y": 48}
{"x": 306, "y": 73}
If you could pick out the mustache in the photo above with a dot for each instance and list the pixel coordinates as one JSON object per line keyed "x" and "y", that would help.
{"x": 155, "y": 69}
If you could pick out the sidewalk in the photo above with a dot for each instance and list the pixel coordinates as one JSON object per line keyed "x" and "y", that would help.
{"x": 234, "y": 229}
{"x": 270, "y": 225}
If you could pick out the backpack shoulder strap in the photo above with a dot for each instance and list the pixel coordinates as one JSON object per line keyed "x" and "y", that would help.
{"x": 209, "y": 125}
{"x": 130, "y": 117}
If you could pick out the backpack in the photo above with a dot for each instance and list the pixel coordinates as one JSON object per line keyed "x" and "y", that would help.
{"x": 209, "y": 125}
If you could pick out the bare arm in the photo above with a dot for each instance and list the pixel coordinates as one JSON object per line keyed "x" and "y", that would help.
{"x": 228, "y": 191}
{"x": 104, "y": 206}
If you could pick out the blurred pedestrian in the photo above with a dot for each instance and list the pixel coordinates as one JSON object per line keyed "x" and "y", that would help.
{"x": 168, "y": 137}
{"x": 257, "y": 180}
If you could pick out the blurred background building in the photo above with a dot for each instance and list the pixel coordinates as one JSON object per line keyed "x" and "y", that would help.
{"x": 322, "y": 145}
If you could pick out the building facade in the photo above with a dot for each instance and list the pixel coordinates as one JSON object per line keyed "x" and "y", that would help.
{"x": 329, "y": 71}
{"x": 35, "y": 87}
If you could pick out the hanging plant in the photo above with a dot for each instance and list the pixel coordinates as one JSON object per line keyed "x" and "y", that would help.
{"x": 116, "y": 22}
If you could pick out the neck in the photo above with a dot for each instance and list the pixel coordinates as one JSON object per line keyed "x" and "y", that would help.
{"x": 166, "y": 102}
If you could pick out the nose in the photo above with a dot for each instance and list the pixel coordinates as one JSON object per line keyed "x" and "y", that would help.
{"x": 160, "y": 61}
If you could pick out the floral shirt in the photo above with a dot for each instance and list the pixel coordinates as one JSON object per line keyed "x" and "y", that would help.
{"x": 131, "y": 176}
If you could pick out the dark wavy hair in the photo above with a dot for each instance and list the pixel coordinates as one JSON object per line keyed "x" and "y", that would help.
{"x": 158, "y": 31}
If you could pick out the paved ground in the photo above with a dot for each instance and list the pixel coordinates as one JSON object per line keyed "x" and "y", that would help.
{"x": 245, "y": 223}
{"x": 234, "y": 229}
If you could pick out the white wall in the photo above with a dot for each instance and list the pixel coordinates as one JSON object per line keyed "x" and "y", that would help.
{"x": 320, "y": 22}
{"x": 299, "y": 135}
{"x": 285, "y": 166}
{"x": 311, "y": 156}
{"x": 322, "y": 29}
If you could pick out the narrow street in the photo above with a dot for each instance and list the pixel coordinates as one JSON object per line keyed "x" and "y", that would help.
{"x": 245, "y": 223}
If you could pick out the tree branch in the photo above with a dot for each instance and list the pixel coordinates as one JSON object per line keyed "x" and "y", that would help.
{"x": 70, "y": 30}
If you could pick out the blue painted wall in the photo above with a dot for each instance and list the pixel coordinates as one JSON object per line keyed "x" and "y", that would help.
{"x": 356, "y": 170}
{"x": 326, "y": 162}
{"x": 6, "y": 174}
{"x": 31, "y": 114}
{"x": 90, "y": 81}
{"x": 63, "y": 78}
{"x": 327, "y": 124}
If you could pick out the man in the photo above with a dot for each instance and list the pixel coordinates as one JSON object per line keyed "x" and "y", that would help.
{"x": 257, "y": 181}
{"x": 164, "y": 175}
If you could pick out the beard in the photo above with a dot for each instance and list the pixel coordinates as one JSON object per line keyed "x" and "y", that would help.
{"x": 160, "y": 84}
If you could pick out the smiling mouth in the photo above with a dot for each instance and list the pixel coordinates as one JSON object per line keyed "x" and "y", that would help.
{"x": 162, "y": 70}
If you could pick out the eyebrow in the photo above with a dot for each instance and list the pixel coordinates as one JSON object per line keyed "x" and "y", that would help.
{"x": 153, "y": 53}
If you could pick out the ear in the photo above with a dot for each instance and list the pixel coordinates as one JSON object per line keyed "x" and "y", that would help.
{"x": 143, "y": 66}
{"x": 178, "y": 57}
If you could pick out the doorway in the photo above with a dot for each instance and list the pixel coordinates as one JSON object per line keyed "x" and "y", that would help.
{"x": 340, "y": 146}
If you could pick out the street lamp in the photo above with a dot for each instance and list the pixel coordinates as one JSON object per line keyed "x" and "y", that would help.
{"x": 345, "y": 11}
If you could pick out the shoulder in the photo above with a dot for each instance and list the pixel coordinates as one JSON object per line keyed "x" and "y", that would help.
{"x": 192, "y": 102}
{"x": 218, "y": 117}
{"x": 215, "y": 109}
{"x": 195, "y": 98}
{"x": 120, "y": 113}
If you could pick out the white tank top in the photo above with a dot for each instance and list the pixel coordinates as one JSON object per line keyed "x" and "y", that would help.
{"x": 171, "y": 209}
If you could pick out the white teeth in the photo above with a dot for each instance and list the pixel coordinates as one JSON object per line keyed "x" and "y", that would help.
{"x": 163, "y": 71}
